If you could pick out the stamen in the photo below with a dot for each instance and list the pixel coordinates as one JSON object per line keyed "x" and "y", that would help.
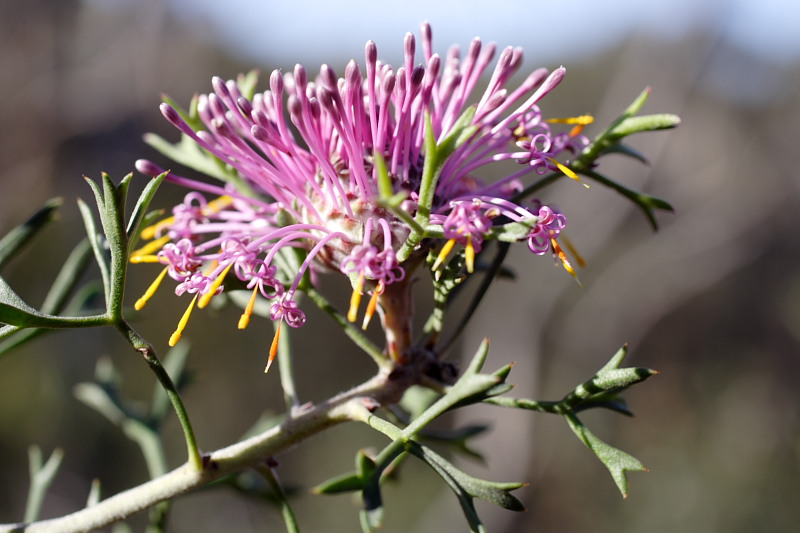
{"x": 150, "y": 231}
{"x": 578, "y": 257}
{"x": 355, "y": 299}
{"x": 469, "y": 255}
{"x": 214, "y": 206}
{"x": 273, "y": 349}
{"x": 212, "y": 289}
{"x": 136, "y": 259}
{"x": 173, "y": 340}
{"x": 372, "y": 305}
{"x": 580, "y": 122}
{"x": 151, "y": 247}
{"x": 448, "y": 246}
{"x": 568, "y": 171}
{"x": 563, "y": 258}
{"x": 217, "y": 204}
{"x": 151, "y": 290}
{"x": 244, "y": 320}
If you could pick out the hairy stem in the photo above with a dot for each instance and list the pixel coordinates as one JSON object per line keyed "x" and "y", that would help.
{"x": 248, "y": 453}
{"x": 152, "y": 360}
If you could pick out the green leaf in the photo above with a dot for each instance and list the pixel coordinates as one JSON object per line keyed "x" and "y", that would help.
{"x": 491, "y": 491}
{"x": 616, "y": 461}
{"x": 247, "y": 83}
{"x": 188, "y": 153}
{"x": 384, "y": 181}
{"x": 67, "y": 278}
{"x": 140, "y": 209}
{"x": 280, "y": 497}
{"x": 619, "y": 148}
{"x": 371, "y": 515}
{"x": 467, "y": 487}
{"x": 18, "y": 237}
{"x": 648, "y": 204}
{"x": 460, "y": 133}
{"x": 42, "y": 475}
{"x": 630, "y": 125}
{"x": 365, "y": 467}
{"x": 15, "y": 312}
{"x": 458, "y": 438}
{"x": 96, "y": 240}
{"x": 55, "y": 303}
{"x": 344, "y": 483}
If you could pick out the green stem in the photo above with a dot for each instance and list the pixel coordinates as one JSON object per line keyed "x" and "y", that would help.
{"x": 41, "y": 478}
{"x": 487, "y": 280}
{"x": 352, "y": 331}
{"x": 542, "y": 183}
{"x": 289, "y": 518}
{"x": 285, "y": 370}
{"x": 149, "y": 354}
{"x": 221, "y": 463}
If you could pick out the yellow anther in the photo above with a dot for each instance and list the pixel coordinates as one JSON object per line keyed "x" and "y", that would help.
{"x": 568, "y": 171}
{"x": 212, "y": 289}
{"x": 372, "y": 305}
{"x": 151, "y": 231}
{"x": 579, "y": 122}
{"x": 244, "y": 320}
{"x": 448, "y": 246}
{"x": 469, "y": 255}
{"x": 214, "y": 206}
{"x": 173, "y": 340}
{"x": 151, "y": 290}
{"x": 273, "y": 349}
{"x": 144, "y": 259}
{"x": 563, "y": 258}
{"x": 578, "y": 257}
{"x": 582, "y": 120}
{"x": 355, "y": 299}
{"x": 151, "y": 247}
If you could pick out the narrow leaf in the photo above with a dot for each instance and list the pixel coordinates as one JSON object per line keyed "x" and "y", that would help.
{"x": 141, "y": 206}
{"x": 18, "y": 237}
{"x": 616, "y": 461}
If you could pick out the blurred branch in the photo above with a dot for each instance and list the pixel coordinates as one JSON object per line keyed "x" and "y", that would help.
{"x": 216, "y": 465}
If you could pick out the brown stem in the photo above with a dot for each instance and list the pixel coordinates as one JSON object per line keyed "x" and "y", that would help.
{"x": 396, "y": 312}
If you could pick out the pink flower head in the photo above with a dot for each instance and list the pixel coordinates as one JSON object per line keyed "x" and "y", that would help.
{"x": 309, "y": 152}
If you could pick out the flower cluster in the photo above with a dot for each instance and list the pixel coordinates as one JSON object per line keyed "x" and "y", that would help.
{"x": 323, "y": 156}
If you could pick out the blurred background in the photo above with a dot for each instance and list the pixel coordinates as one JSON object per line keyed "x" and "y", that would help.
{"x": 712, "y": 299}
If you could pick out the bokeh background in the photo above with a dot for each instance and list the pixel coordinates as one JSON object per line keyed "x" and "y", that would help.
{"x": 712, "y": 299}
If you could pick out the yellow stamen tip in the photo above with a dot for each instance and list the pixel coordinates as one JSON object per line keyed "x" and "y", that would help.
{"x": 572, "y": 250}
{"x": 564, "y": 261}
{"x": 582, "y": 120}
{"x": 150, "y": 231}
{"x": 355, "y": 299}
{"x": 212, "y": 290}
{"x": 469, "y": 255}
{"x": 244, "y": 320}
{"x": 273, "y": 349}
{"x": 372, "y": 306}
{"x": 136, "y": 259}
{"x": 568, "y": 171}
{"x": 151, "y": 290}
{"x": 175, "y": 337}
{"x": 151, "y": 247}
{"x": 448, "y": 246}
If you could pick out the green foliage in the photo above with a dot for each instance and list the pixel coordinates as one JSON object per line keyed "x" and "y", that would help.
{"x": 602, "y": 390}
{"x": 427, "y": 383}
